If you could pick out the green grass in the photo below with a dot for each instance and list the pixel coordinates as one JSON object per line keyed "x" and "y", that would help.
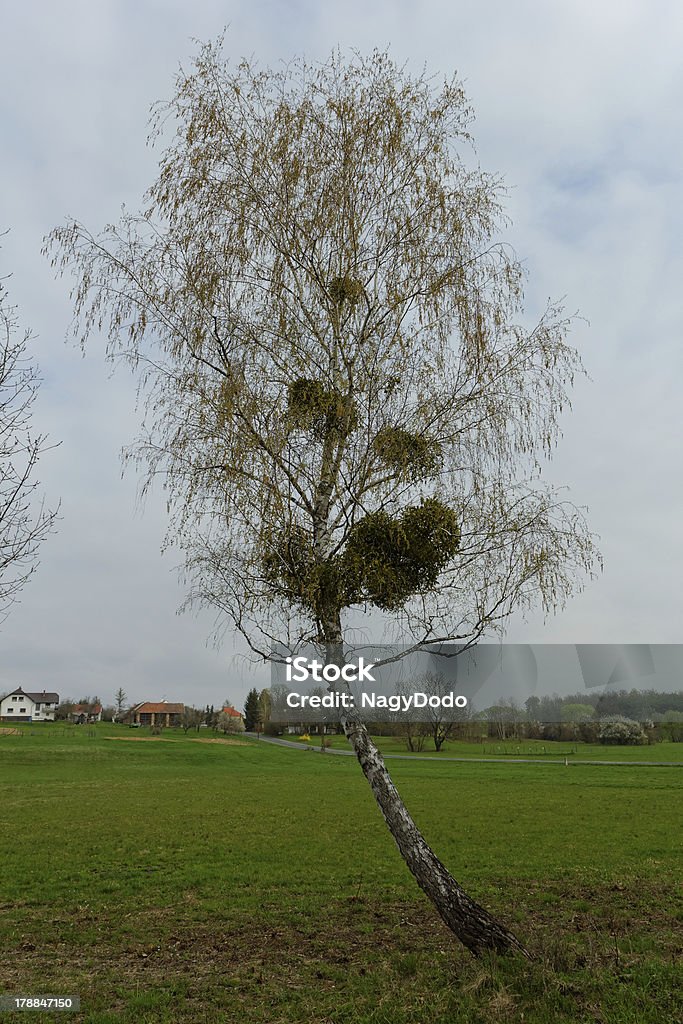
{"x": 178, "y": 880}
{"x": 506, "y": 749}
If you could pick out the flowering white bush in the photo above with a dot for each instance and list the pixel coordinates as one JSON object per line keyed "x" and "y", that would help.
{"x": 620, "y": 730}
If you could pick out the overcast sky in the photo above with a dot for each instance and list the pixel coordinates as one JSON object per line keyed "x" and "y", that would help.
{"x": 578, "y": 107}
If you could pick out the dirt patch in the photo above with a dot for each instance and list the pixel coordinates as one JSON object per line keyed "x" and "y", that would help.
{"x": 164, "y": 739}
{"x": 138, "y": 739}
{"x": 10, "y": 732}
{"x": 233, "y": 743}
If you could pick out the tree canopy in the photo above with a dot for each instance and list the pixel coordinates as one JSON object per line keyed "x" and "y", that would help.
{"x": 342, "y": 396}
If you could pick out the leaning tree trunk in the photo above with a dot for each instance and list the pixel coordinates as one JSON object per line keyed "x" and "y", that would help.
{"x": 470, "y": 922}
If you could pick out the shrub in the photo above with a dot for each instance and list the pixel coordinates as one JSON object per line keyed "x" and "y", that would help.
{"x": 550, "y": 730}
{"x": 671, "y": 731}
{"x": 589, "y": 732}
{"x": 620, "y": 731}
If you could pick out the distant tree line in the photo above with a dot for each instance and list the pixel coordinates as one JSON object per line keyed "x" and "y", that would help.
{"x": 640, "y": 705}
{"x": 618, "y": 717}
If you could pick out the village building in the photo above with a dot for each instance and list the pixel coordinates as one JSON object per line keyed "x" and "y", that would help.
{"x": 161, "y": 713}
{"x": 84, "y": 714}
{"x": 21, "y": 706}
{"x": 232, "y": 712}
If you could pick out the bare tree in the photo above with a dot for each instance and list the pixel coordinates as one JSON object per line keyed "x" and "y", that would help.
{"x": 64, "y": 709}
{"x": 191, "y": 718}
{"x": 505, "y": 718}
{"x": 120, "y": 698}
{"x": 408, "y": 724}
{"x": 441, "y": 721}
{"x": 24, "y": 520}
{"x": 413, "y": 732}
{"x": 343, "y": 402}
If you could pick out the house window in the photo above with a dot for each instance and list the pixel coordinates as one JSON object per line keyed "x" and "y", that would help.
{"x": 10, "y": 711}
{"x": 22, "y": 711}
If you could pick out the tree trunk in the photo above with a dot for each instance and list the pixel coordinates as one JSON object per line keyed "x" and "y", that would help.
{"x": 469, "y": 921}
{"x": 472, "y": 924}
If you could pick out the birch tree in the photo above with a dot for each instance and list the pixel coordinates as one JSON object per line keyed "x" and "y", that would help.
{"x": 341, "y": 393}
{"x": 24, "y": 519}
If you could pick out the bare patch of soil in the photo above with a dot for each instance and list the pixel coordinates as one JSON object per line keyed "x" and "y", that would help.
{"x": 218, "y": 739}
{"x": 164, "y": 739}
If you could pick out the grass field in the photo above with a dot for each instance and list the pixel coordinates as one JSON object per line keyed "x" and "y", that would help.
{"x": 541, "y": 749}
{"x": 181, "y": 880}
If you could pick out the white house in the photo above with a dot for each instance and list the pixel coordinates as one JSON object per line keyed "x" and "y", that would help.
{"x": 18, "y": 706}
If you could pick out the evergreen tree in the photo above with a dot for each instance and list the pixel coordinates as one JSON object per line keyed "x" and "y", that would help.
{"x": 252, "y": 710}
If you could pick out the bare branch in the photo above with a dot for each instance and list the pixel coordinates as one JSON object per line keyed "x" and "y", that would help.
{"x": 24, "y": 519}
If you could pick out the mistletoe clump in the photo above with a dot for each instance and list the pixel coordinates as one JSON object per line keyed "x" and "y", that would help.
{"x": 388, "y": 558}
{"x": 345, "y": 290}
{"x": 412, "y": 456}
{"x": 323, "y": 411}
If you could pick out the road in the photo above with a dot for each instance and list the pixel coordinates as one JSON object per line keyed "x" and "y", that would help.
{"x": 466, "y": 760}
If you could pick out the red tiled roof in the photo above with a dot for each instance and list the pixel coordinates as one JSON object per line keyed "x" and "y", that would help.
{"x": 231, "y": 711}
{"x": 160, "y": 708}
{"x": 86, "y": 709}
